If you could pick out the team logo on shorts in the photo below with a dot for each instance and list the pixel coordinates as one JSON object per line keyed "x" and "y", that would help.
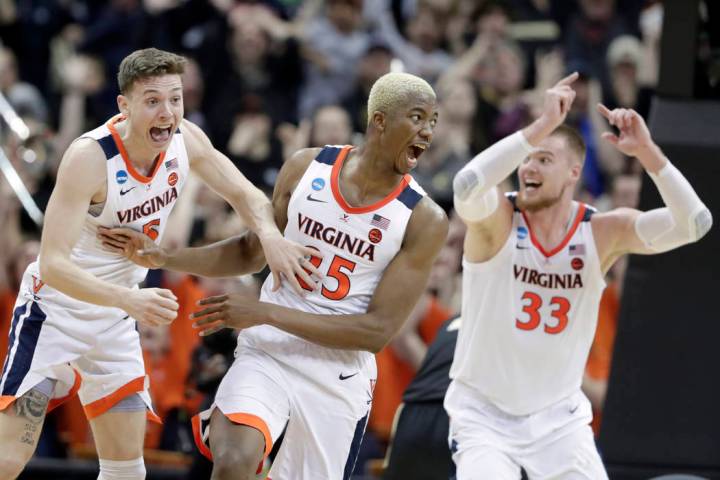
{"x": 318, "y": 184}
{"x": 577, "y": 263}
{"x": 522, "y": 233}
{"x": 121, "y": 177}
{"x": 375, "y": 235}
{"x": 172, "y": 179}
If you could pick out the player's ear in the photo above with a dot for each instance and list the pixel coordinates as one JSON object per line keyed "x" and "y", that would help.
{"x": 122, "y": 103}
{"x": 575, "y": 169}
{"x": 379, "y": 120}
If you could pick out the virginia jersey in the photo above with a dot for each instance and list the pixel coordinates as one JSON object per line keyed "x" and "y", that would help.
{"x": 529, "y": 317}
{"x": 133, "y": 200}
{"x": 357, "y": 243}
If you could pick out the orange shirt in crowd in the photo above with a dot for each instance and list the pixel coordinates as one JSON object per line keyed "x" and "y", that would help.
{"x": 7, "y": 302}
{"x": 168, "y": 374}
{"x": 394, "y": 375}
{"x": 600, "y": 358}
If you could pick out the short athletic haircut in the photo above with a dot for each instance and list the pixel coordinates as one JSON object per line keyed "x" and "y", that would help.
{"x": 573, "y": 139}
{"x": 149, "y": 62}
{"x": 393, "y": 89}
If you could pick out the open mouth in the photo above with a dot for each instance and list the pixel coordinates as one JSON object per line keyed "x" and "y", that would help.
{"x": 413, "y": 153}
{"x": 532, "y": 185}
{"x": 161, "y": 134}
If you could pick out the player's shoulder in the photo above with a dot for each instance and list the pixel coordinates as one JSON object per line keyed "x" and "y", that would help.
{"x": 84, "y": 153}
{"x": 299, "y": 161}
{"x": 83, "y": 165}
{"x": 196, "y": 141}
{"x": 428, "y": 220}
{"x": 613, "y": 219}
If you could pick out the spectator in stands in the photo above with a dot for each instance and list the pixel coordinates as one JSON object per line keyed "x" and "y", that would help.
{"x": 333, "y": 44}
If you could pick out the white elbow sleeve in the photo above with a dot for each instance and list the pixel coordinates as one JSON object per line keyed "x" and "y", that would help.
{"x": 689, "y": 212}
{"x": 475, "y": 195}
{"x": 477, "y": 206}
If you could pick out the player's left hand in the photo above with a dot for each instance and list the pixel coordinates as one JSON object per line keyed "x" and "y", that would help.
{"x": 135, "y": 246}
{"x": 236, "y": 310}
{"x": 289, "y": 261}
{"x": 634, "y": 135}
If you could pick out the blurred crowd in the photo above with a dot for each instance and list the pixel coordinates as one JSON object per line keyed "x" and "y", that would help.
{"x": 268, "y": 77}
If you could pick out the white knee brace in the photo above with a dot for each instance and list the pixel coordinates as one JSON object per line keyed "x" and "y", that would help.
{"x": 122, "y": 469}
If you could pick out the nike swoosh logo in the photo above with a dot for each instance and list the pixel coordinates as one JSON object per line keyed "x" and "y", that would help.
{"x": 521, "y": 248}
{"x": 574, "y": 409}
{"x": 310, "y": 198}
{"x": 123, "y": 192}
{"x": 344, "y": 377}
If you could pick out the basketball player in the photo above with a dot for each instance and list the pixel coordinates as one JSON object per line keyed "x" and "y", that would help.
{"x": 305, "y": 363}
{"x": 74, "y": 320}
{"x": 533, "y": 274}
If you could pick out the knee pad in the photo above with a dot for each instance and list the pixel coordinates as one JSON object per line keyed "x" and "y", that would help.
{"x": 122, "y": 469}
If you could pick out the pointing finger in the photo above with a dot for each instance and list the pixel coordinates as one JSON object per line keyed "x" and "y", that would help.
{"x": 568, "y": 80}
{"x": 604, "y": 111}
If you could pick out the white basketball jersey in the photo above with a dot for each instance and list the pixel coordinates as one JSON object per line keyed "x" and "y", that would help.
{"x": 133, "y": 200}
{"x": 529, "y": 317}
{"x": 357, "y": 244}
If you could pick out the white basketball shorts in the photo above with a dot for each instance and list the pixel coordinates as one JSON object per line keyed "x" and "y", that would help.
{"x": 90, "y": 350}
{"x": 553, "y": 443}
{"x": 322, "y": 405}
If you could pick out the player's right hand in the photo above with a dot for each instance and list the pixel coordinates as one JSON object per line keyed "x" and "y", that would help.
{"x": 152, "y": 306}
{"x": 135, "y": 246}
{"x": 557, "y": 101}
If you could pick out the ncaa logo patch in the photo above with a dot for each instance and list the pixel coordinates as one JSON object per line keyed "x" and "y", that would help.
{"x": 318, "y": 184}
{"x": 172, "y": 179}
{"x": 522, "y": 233}
{"x": 375, "y": 235}
{"x": 121, "y": 177}
{"x": 577, "y": 263}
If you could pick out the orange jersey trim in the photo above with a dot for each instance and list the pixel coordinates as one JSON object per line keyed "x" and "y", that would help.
{"x": 102, "y": 405}
{"x": 126, "y": 158}
{"x": 255, "y": 422}
{"x": 56, "y": 402}
{"x": 239, "y": 418}
{"x": 578, "y": 218}
{"x": 335, "y": 186}
{"x": 6, "y": 401}
{"x": 204, "y": 450}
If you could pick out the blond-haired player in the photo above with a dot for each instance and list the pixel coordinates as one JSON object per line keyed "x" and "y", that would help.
{"x": 305, "y": 363}
{"x": 533, "y": 274}
{"x": 74, "y": 321}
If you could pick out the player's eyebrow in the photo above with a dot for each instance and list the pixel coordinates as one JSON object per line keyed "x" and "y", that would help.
{"x": 154, "y": 90}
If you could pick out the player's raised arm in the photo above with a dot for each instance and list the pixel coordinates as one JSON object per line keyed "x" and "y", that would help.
{"x": 683, "y": 220}
{"x": 81, "y": 176}
{"x": 285, "y": 258}
{"x": 397, "y": 292}
{"x": 476, "y": 197}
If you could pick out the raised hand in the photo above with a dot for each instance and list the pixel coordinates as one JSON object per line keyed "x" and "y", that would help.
{"x": 135, "y": 246}
{"x": 289, "y": 261}
{"x": 556, "y": 104}
{"x": 634, "y": 135}
{"x": 152, "y": 306}
{"x": 557, "y": 101}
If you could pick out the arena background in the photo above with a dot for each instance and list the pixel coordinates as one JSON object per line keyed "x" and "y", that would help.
{"x": 269, "y": 77}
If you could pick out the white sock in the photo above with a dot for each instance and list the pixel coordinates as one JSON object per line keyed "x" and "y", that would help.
{"x": 122, "y": 469}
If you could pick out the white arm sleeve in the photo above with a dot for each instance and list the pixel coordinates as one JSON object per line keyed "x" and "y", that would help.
{"x": 475, "y": 195}
{"x": 685, "y": 218}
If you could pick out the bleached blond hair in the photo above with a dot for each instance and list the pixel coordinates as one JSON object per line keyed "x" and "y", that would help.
{"x": 393, "y": 89}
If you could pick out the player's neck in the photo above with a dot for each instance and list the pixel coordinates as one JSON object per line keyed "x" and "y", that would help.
{"x": 550, "y": 224}
{"x": 371, "y": 172}
{"x": 141, "y": 156}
